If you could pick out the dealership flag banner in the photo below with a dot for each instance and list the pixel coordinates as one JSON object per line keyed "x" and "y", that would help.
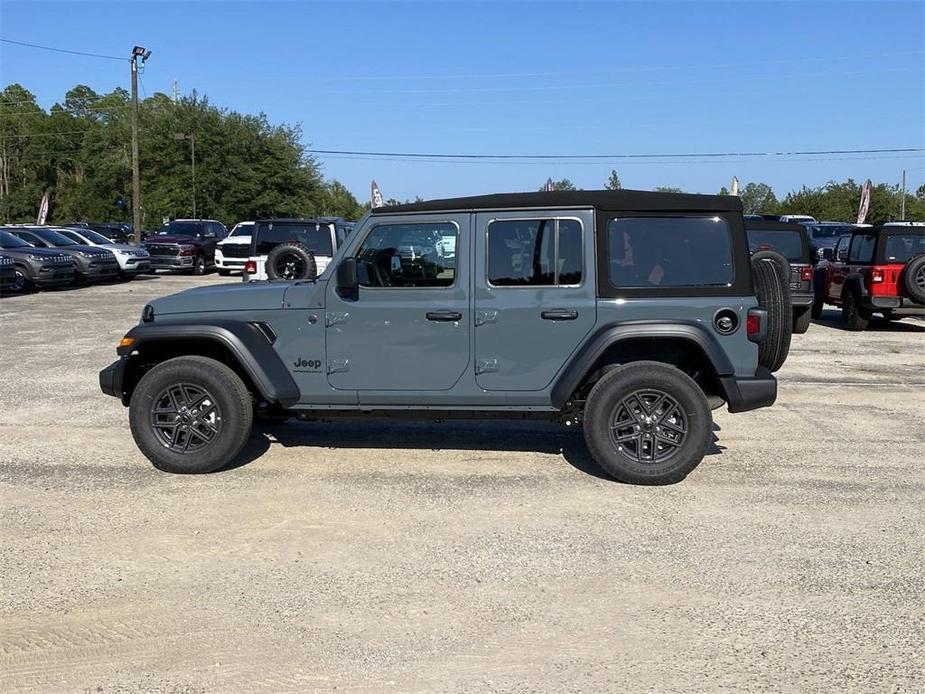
{"x": 735, "y": 185}
{"x": 375, "y": 194}
{"x": 865, "y": 202}
{"x": 43, "y": 209}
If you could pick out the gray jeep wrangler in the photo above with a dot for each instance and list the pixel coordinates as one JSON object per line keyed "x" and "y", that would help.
{"x": 630, "y": 314}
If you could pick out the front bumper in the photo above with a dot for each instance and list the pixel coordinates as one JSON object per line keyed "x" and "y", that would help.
{"x": 168, "y": 262}
{"x": 111, "y": 379}
{"x": 229, "y": 263}
{"x": 744, "y": 394}
{"x": 54, "y": 275}
{"x": 134, "y": 265}
{"x": 99, "y": 273}
{"x": 897, "y": 305}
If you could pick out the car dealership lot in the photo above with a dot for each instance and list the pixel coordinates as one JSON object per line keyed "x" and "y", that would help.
{"x": 458, "y": 556}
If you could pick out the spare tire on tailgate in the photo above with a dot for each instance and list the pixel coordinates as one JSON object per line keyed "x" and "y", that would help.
{"x": 291, "y": 261}
{"x": 773, "y": 295}
{"x": 914, "y": 278}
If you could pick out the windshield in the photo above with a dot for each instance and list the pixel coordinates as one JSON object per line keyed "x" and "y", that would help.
{"x": 91, "y": 236}
{"x": 787, "y": 243}
{"x": 242, "y": 229}
{"x": 7, "y": 240}
{"x": 53, "y": 237}
{"x": 317, "y": 236}
{"x": 898, "y": 248}
{"x": 828, "y": 231}
{"x": 180, "y": 229}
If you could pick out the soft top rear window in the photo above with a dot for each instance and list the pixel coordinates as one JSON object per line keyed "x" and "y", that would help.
{"x": 788, "y": 243}
{"x": 315, "y": 235}
{"x": 898, "y": 248}
{"x": 690, "y": 251}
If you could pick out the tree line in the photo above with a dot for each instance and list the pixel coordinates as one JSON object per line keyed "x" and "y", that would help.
{"x": 79, "y": 152}
{"x": 833, "y": 201}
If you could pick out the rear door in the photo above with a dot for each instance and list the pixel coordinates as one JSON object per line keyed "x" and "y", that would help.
{"x": 837, "y": 268}
{"x": 534, "y": 295}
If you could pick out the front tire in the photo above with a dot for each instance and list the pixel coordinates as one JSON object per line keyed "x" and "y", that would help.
{"x": 22, "y": 284}
{"x": 647, "y": 423}
{"x": 853, "y": 316}
{"x": 199, "y": 265}
{"x": 191, "y": 415}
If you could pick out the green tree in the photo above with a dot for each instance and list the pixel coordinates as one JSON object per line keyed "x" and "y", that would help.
{"x": 723, "y": 191}
{"x": 340, "y": 202}
{"x": 758, "y": 198}
{"x": 613, "y": 182}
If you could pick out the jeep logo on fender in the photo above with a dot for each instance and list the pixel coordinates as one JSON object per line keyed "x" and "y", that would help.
{"x": 309, "y": 365}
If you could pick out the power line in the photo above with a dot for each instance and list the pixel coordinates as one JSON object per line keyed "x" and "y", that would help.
{"x": 613, "y": 71}
{"x": 580, "y": 157}
{"x": 60, "y": 50}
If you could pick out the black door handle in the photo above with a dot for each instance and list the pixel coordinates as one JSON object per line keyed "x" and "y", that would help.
{"x": 444, "y": 316}
{"x": 559, "y": 314}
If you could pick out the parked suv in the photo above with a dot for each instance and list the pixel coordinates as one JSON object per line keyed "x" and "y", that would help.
{"x": 90, "y": 264}
{"x": 116, "y": 232}
{"x": 293, "y": 249}
{"x": 232, "y": 252}
{"x": 628, "y": 313}
{"x": 790, "y": 240}
{"x": 35, "y": 267}
{"x": 875, "y": 270}
{"x": 7, "y": 272}
{"x": 132, "y": 260}
{"x": 185, "y": 244}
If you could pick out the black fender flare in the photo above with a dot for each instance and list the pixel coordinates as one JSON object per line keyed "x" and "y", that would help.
{"x": 576, "y": 370}
{"x": 246, "y": 342}
{"x": 854, "y": 281}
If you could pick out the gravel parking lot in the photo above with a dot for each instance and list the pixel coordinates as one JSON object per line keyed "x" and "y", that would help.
{"x": 458, "y": 557}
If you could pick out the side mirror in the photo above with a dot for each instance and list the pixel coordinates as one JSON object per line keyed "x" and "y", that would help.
{"x": 347, "y": 285}
{"x": 828, "y": 253}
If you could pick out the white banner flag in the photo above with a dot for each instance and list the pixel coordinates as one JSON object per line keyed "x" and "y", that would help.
{"x": 375, "y": 194}
{"x": 43, "y": 209}
{"x": 865, "y": 202}
{"x": 735, "y": 185}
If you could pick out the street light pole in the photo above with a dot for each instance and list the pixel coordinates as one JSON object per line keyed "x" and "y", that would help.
{"x": 144, "y": 54}
{"x": 192, "y": 145}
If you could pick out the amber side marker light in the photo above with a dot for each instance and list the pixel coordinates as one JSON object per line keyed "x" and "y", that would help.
{"x": 126, "y": 342}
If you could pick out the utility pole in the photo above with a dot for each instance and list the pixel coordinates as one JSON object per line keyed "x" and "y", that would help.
{"x": 902, "y": 214}
{"x": 192, "y": 145}
{"x": 137, "y": 52}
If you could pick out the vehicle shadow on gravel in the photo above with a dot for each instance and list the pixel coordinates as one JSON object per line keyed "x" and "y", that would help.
{"x": 831, "y": 318}
{"x": 528, "y": 437}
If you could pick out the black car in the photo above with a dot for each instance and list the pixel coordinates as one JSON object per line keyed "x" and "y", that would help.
{"x": 792, "y": 242}
{"x": 91, "y": 264}
{"x": 117, "y": 232}
{"x": 35, "y": 267}
{"x": 7, "y": 272}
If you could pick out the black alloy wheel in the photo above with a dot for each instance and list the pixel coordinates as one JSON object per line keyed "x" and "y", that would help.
{"x": 648, "y": 426}
{"x": 21, "y": 283}
{"x": 289, "y": 266}
{"x": 185, "y": 418}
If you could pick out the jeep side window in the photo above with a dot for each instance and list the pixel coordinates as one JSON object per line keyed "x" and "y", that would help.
{"x": 862, "y": 248}
{"x": 841, "y": 249}
{"x": 669, "y": 252}
{"x": 408, "y": 255}
{"x": 534, "y": 252}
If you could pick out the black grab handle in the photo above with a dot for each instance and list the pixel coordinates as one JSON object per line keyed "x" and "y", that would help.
{"x": 444, "y": 316}
{"x": 559, "y": 314}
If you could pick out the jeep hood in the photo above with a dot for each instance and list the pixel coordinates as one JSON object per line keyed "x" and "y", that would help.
{"x": 251, "y": 296}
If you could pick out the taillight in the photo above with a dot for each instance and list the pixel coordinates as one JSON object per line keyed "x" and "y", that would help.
{"x": 806, "y": 273}
{"x": 250, "y": 267}
{"x": 876, "y": 274}
{"x": 755, "y": 324}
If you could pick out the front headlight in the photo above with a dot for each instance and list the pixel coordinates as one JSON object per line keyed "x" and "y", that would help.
{"x": 84, "y": 254}
{"x": 37, "y": 258}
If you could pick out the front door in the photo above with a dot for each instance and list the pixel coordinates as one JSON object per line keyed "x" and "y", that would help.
{"x": 409, "y": 327}
{"x": 534, "y": 295}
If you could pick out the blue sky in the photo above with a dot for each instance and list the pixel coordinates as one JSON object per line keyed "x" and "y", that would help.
{"x": 523, "y": 78}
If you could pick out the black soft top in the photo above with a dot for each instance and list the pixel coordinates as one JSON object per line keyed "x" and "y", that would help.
{"x": 765, "y": 225}
{"x": 629, "y": 200}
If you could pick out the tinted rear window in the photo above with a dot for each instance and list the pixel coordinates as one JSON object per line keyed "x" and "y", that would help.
{"x": 670, "y": 252}
{"x": 787, "y": 243}
{"x": 898, "y": 248}
{"x": 316, "y": 236}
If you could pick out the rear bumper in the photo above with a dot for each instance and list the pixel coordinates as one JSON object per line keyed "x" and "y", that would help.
{"x": 744, "y": 394}
{"x": 802, "y": 300}
{"x": 898, "y": 305}
{"x": 111, "y": 379}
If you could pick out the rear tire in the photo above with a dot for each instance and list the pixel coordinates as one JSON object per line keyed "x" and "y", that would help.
{"x": 647, "y": 423}
{"x": 194, "y": 401}
{"x": 801, "y": 321}
{"x": 913, "y": 278}
{"x": 852, "y": 314}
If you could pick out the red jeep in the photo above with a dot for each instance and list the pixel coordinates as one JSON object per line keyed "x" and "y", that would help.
{"x": 875, "y": 270}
